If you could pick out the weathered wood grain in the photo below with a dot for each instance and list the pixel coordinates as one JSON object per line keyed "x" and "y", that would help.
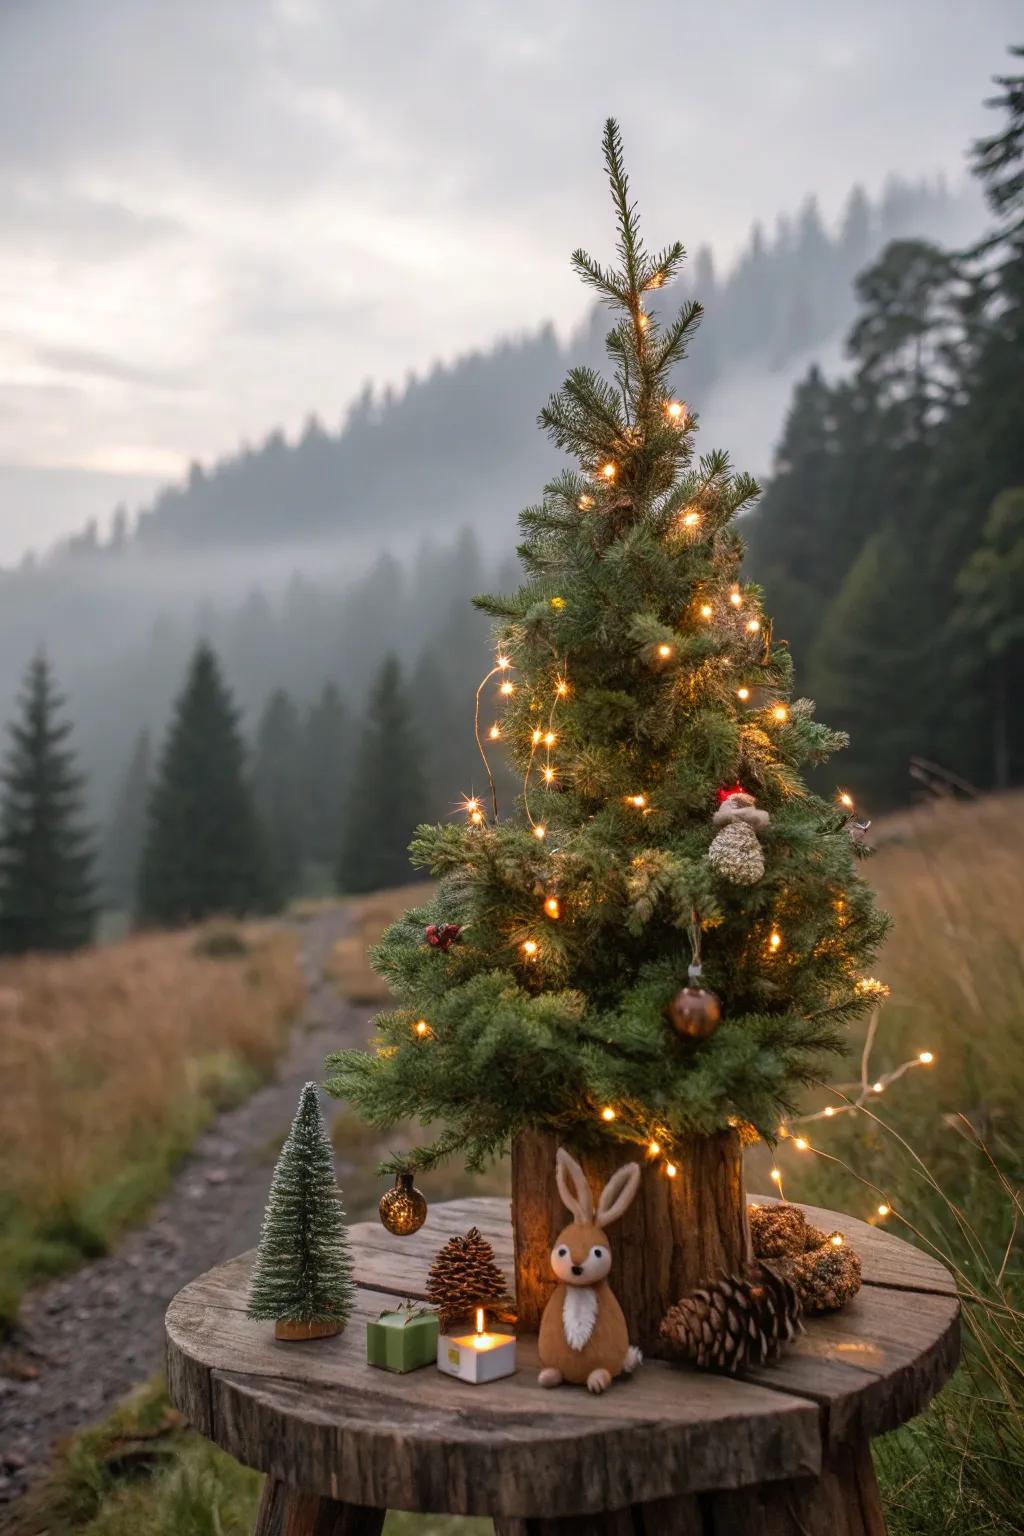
{"x": 283, "y": 1512}
{"x": 319, "y": 1419}
{"x": 676, "y": 1234}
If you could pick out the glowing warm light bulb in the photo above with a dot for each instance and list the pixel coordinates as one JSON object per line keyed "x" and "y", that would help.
{"x": 836, "y": 1239}
{"x": 503, "y": 662}
{"x": 690, "y": 519}
{"x": 549, "y": 775}
{"x": 780, "y": 713}
{"x": 561, "y": 688}
{"x": 926, "y": 1058}
{"x": 553, "y": 907}
{"x": 671, "y": 1170}
{"x": 540, "y": 833}
{"x": 530, "y": 948}
{"x": 674, "y": 409}
{"x": 550, "y": 738}
{"x": 422, "y": 1028}
{"x": 736, "y": 598}
{"x": 753, "y": 625}
{"x": 706, "y": 610}
{"x": 638, "y": 800}
{"x": 476, "y": 817}
{"x": 801, "y": 1143}
{"x": 664, "y": 651}
{"x": 829, "y": 1111}
{"x": 495, "y": 733}
{"x": 507, "y": 688}
{"x": 608, "y": 471}
{"x": 654, "y": 1147}
{"x": 846, "y": 800}
{"x": 743, "y": 693}
{"x": 877, "y": 1087}
{"x": 775, "y": 939}
{"x": 776, "y": 1176}
{"x": 608, "y": 1113}
{"x": 585, "y": 502}
{"x": 536, "y": 737}
{"x": 883, "y": 1209}
{"x": 643, "y": 320}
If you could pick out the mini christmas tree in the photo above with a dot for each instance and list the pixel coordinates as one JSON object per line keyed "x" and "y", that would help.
{"x": 637, "y": 688}
{"x": 302, "y": 1278}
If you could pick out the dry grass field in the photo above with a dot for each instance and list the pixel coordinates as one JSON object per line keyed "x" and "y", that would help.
{"x": 112, "y": 1060}
{"x": 350, "y": 963}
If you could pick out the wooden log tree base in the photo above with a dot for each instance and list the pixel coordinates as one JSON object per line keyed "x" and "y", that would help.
{"x": 781, "y": 1451}
{"x": 678, "y": 1233}
{"x": 293, "y": 1332}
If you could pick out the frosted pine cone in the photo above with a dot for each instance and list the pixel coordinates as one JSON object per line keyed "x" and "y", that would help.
{"x": 736, "y": 854}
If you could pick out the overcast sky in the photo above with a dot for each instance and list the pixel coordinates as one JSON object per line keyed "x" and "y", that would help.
{"x": 218, "y": 215}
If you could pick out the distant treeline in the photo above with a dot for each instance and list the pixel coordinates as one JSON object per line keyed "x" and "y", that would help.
{"x": 265, "y": 554}
{"x": 891, "y": 538}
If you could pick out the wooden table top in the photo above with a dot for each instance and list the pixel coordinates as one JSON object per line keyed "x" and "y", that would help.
{"x": 317, "y": 1417}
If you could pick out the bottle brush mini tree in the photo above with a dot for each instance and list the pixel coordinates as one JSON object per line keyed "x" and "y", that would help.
{"x": 637, "y": 687}
{"x": 302, "y": 1278}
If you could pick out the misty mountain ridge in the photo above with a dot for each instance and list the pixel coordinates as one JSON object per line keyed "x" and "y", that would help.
{"x": 277, "y": 553}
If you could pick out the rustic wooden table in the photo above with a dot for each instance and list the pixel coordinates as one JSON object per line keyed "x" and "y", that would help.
{"x": 784, "y": 1451}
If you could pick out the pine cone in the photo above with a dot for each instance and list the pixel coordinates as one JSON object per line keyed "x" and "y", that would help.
{"x": 463, "y": 1277}
{"x": 736, "y": 855}
{"x": 779, "y": 1230}
{"x": 737, "y": 1321}
{"x": 826, "y": 1278}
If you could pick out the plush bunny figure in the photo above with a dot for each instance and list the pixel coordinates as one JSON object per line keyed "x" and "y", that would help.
{"x": 583, "y": 1335}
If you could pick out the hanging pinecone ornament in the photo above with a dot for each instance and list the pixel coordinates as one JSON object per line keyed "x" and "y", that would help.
{"x": 694, "y": 1012}
{"x": 403, "y": 1210}
{"x": 463, "y": 1277}
{"x": 738, "y": 1320}
{"x": 735, "y": 853}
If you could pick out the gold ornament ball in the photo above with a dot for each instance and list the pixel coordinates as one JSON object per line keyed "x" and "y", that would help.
{"x": 694, "y": 1013}
{"x": 403, "y": 1210}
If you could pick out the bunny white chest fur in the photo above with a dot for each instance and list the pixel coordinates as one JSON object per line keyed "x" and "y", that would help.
{"x": 579, "y": 1314}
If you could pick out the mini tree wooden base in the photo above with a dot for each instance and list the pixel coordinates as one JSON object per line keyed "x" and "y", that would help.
{"x": 678, "y": 1233}
{"x": 297, "y": 1331}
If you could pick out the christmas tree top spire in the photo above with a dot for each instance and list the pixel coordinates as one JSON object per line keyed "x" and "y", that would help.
{"x": 638, "y": 691}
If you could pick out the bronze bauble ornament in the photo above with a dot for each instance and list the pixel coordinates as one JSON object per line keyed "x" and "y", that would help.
{"x": 694, "y": 1013}
{"x": 403, "y": 1210}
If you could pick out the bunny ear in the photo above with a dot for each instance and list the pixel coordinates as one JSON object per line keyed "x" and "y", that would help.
{"x": 573, "y": 1186}
{"x": 617, "y": 1195}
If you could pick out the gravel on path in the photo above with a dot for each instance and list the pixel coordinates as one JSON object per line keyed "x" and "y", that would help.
{"x": 86, "y": 1339}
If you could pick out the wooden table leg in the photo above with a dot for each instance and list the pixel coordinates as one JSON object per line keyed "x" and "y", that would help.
{"x": 844, "y": 1501}
{"x": 289, "y": 1512}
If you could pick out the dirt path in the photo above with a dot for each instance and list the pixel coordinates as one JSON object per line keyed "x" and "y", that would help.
{"x": 93, "y": 1335}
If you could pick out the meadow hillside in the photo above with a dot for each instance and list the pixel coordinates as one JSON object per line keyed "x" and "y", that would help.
{"x": 112, "y": 1060}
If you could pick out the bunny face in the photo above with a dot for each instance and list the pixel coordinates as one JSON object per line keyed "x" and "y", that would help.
{"x": 581, "y": 1256}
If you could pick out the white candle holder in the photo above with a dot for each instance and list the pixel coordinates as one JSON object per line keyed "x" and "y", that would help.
{"x": 479, "y": 1356}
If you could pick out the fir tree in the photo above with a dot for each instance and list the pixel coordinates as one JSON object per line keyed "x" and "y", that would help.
{"x": 637, "y": 679}
{"x": 388, "y": 796}
{"x": 277, "y": 776}
{"x": 303, "y": 1268}
{"x": 325, "y": 757}
{"x": 126, "y": 830}
{"x": 47, "y": 893}
{"x": 203, "y": 852}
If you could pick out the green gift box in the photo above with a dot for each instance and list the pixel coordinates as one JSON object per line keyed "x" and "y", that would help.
{"x": 402, "y": 1340}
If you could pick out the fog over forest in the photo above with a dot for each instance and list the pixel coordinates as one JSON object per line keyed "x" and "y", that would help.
{"x": 306, "y": 560}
